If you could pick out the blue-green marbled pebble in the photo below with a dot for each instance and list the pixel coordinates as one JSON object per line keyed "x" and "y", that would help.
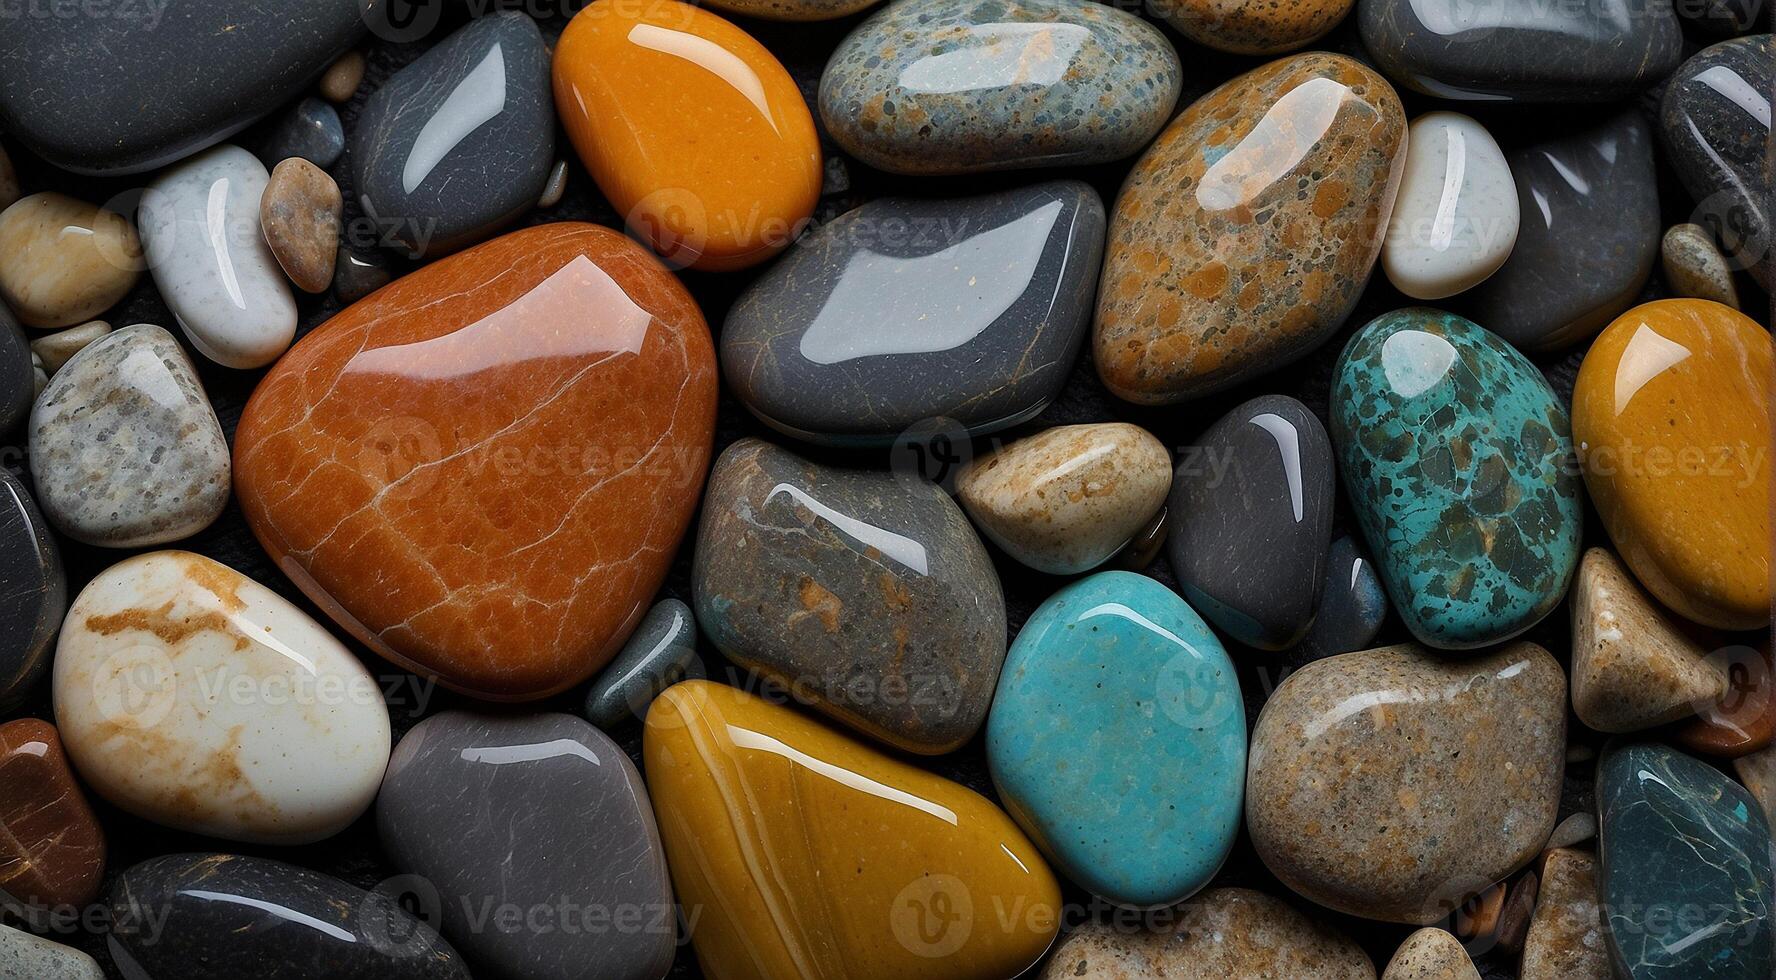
{"x": 966, "y": 86}
{"x": 1457, "y": 456}
{"x": 1117, "y": 739}
{"x": 657, "y": 655}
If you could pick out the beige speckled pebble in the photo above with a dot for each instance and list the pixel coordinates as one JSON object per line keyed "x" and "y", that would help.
{"x": 341, "y": 79}
{"x": 1631, "y": 668}
{"x": 1576, "y": 829}
{"x": 1430, "y": 954}
{"x": 300, "y": 215}
{"x": 1253, "y": 26}
{"x": 55, "y": 349}
{"x": 1566, "y": 939}
{"x": 1695, "y": 267}
{"x": 23, "y": 955}
{"x": 64, "y": 261}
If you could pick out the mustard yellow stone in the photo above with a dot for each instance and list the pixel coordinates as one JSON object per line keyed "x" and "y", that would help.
{"x": 1671, "y": 420}
{"x": 809, "y": 855}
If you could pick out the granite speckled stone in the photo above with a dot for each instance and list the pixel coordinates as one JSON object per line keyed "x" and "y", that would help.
{"x": 965, "y": 86}
{"x": 33, "y": 591}
{"x": 656, "y": 656}
{"x": 1353, "y": 605}
{"x": 1458, "y": 459}
{"x": 23, "y": 955}
{"x": 1459, "y": 760}
{"x": 1253, "y": 26}
{"x": 1566, "y": 939}
{"x": 17, "y": 373}
{"x": 1431, "y": 954}
{"x": 1695, "y": 267}
{"x": 52, "y": 851}
{"x": 1251, "y": 507}
{"x": 1631, "y": 666}
{"x": 1244, "y": 236}
{"x": 865, "y": 591}
{"x": 309, "y": 130}
{"x": 830, "y": 345}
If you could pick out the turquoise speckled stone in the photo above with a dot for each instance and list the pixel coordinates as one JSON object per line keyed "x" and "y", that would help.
{"x": 1117, "y": 739}
{"x": 1458, "y": 459}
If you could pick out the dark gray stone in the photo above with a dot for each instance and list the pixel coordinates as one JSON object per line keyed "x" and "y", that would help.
{"x": 1523, "y": 51}
{"x": 18, "y": 379}
{"x": 459, "y": 143}
{"x": 150, "y": 83}
{"x": 33, "y": 591}
{"x": 1353, "y": 605}
{"x": 535, "y": 843}
{"x": 310, "y": 129}
{"x": 357, "y": 275}
{"x": 656, "y": 656}
{"x": 223, "y": 916}
{"x": 1588, "y": 239}
{"x": 902, "y": 311}
{"x": 1715, "y": 120}
{"x": 1251, "y": 516}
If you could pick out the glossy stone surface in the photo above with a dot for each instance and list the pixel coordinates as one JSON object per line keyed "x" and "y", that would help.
{"x": 658, "y": 654}
{"x": 1245, "y": 234}
{"x": 33, "y": 591}
{"x": 1505, "y": 50}
{"x": 309, "y": 130}
{"x": 1430, "y": 954}
{"x": 67, "y": 94}
{"x": 1245, "y": 27}
{"x": 966, "y": 86}
{"x": 56, "y": 349}
{"x": 192, "y": 696}
{"x": 694, "y": 132}
{"x": 878, "y": 869}
{"x": 1588, "y": 235}
{"x": 1744, "y": 719}
{"x": 299, "y": 214}
{"x": 52, "y": 852}
{"x": 1067, "y": 499}
{"x": 1671, "y": 416}
{"x": 63, "y": 261}
{"x": 1566, "y": 939}
{"x": 1117, "y": 740}
{"x": 1455, "y": 220}
{"x": 1257, "y": 484}
{"x": 1460, "y": 760}
{"x": 217, "y": 916}
{"x": 1458, "y": 460}
{"x": 831, "y": 346}
{"x": 1715, "y": 120}
{"x": 125, "y": 448}
{"x": 341, "y": 79}
{"x": 1353, "y": 605}
{"x": 865, "y": 591}
{"x": 1631, "y": 667}
{"x": 1694, "y": 266}
{"x": 482, "y": 470}
{"x": 537, "y": 812}
{"x": 17, "y": 378}
{"x": 1685, "y": 873}
{"x": 357, "y": 275}
{"x": 26, "y": 956}
{"x": 458, "y": 143}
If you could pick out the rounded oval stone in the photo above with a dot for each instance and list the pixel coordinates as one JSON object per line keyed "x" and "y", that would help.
{"x": 1455, "y": 220}
{"x": 1715, "y": 118}
{"x": 1671, "y": 414}
{"x": 1353, "y": 605}
{"x": 58, "y": 348}
{"x": 1460, "y": 761}
{"x": 33, "y": 591}
{"x": 538, "y": 820}
{"x": 1253, "y": 26}
{"x": 1118, "y": 740}
{"x": 866, "y": 592}
{"x": 1694, "y": 266}
{"x": 659, "y": 653}
{"x": 878, "y": 870}
{"x": 64, "y": 261}
{"x": 1458, "y": 460}
{"x": 299, "y": 214}
{"x": 965, "y": 86}
{"x": 1431, "y": 954}
{"x": 482, "y": 470}
{"x": 691, "y": 128}
{"x": 1245, "y": 234}
{"x": 192, "y": 696}
{"x": 52, "y": 852}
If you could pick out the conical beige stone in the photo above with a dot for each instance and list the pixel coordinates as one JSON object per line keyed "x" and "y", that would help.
{"x": 1631, "y": 668}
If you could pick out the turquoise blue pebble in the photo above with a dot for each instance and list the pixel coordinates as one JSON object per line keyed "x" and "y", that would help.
{"x": 1117, "y": 740}
{"x": 1458, "y": 460}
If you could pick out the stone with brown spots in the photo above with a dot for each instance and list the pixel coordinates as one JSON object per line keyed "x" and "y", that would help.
{"x": 1566, "y": 939}
{"x": 1631, "y": 667}
{"x": 1254, "y": 26}
{"x": 1431, "y": 954}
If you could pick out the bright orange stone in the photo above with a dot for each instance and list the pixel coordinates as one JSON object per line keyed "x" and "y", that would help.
{"x": 482, "y": 471}
{"x": 695, "y": 133}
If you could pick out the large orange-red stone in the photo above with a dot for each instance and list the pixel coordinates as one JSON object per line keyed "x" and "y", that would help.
{"x": 482, "y": 471}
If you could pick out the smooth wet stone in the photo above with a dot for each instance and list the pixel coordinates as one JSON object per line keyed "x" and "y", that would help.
{"x": 542, "y": 813}
{"x": 23, "y": 955}
{"x": 1246, "y": 27}
{"x": 1743, "y": 720}
{"x": 222, "y": 916}
{"x": 1251, "y": 512}
{"x": 33, "y": 591}
{"x": 1685, "y": 872}
{"x": 1587, "y": 238}
{"x": 458, "y": 144}
{"x": 142, "y": 86}
{"x": 206, "y": 247}
{"x": 1067, "y": 499}
{"x": 657, "y": 655}
{"x": 1431, "y": 954}
{"x": 357, "y": 275}
{"x": 1694, "y": 266}
{"x": 1245, "y": 234}
{"x": 56, "y": 349}
{"x": 482, "y": 470}
{"x": 864, "y": 591}
{"x": 967, "y": 86}
{"x": 831, "y": 345}
{"x": 299, "y": 214}
{"x": 878, "y": 869}
{"x": 1566, "y": 939}
{"x": 1222, "y": 933}
{"x": 1631, "y": 667}
{"x": 1715, "y": 121}
{"x": 1458, "y": 460}
{"x": 1455, "y": 220}
{"x": 1353, "y": 605}
{"x": 63, "y": 261}
{"x": 695, "y": 133}
{"x": 125, "y": 448}
{"x": 192, "y": 696}
{"x": 1143, "y": 549}
{"x": 309, "y": 130}
{"x": 52, "y": 852}
{"x": 1117, "y": 740}
{"x": 1510, "y": 51}
{"x": 1460, "y": 760}
{"x": 1671, "y": 416}
{"x": 17, "y": 373}
{"x": 341, "y": 79}
{"x": 555, "y": 187}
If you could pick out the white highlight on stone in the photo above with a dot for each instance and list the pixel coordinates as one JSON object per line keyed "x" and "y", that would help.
{"x": 1456, "y": 218}
{"x": 480, "y": 96}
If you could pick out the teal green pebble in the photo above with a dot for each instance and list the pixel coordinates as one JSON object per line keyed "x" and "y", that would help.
{"x": 1117, "y": 740}
{"x": 1457, "y": 456}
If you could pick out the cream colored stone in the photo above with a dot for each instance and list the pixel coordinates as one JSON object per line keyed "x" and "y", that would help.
{"x": 1566, "y": 939}
{"x": 55, "y": 349}
{"x": 64, "y": 261}
{"x": 1431, "y": 954}
{"x": 1695, "y": 267}
{"x": 1631, "y": 668}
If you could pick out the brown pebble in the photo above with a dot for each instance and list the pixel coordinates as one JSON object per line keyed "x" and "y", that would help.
{"x": 52, "y": 852}
{"x": 1479, "y": 916}
{"x": 1430, "y": 954}
{"x": 1566, "y": 940}
{"x": 1745, "y": 720}
{"x": 1513, "y": 923}
{"x": 1576, "y": 829}
{"x": 341, "y": 79}
{"x": 300, "y": 214}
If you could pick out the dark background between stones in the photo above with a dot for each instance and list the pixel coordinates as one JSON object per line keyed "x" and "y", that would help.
{"x": 356, "y": 856}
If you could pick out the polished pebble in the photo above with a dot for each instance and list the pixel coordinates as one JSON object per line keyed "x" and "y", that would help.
{"x": 1632, "y": 668}
{"x": 1248, "y": 27}
{"x": 341, "y": 79}
{"x": 309, "y": 130}
{"x": 1715, "y": 120}
{"x": 1566, "y": 940}
{"x": 33, "y": 591}
{"x": 658, "y": 654}
{"x": 1455, "y": 220}
{"x": 1431, "y": 954}
{"x": 1694, "y": 266}
{"x": 19, "y": 364}
{"x": 1575, "y": 829}
{"x": 64, "y": 261}
{"x": 1744, "y": 719}
{"x": 555, "y": 187}
{"x": 358, "y": 274}
{"x": 29, "y": 957}
{"x": 300, "y": 215}
{"x": 56, "y": 349}
{"x": 1353, "y": 605}
{"x": 52, "y": 851}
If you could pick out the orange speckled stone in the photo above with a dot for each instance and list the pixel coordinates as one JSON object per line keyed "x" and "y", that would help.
{"x": 1253, "y": 26}
{"x": 52, "y": 852}
{"x": 695, "y": 133}
{"x": 1671, "y": 417}
{"x": 482, "y": 470}
{"x": 1244, "y": 236}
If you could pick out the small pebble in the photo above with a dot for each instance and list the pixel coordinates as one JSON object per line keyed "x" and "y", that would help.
{"x": 1565, "y": 940}
{"x": 25, "y": 955}
{"x": 341, "y": 79}
{"x": 300, "y": 215}
{"x": 1695, "y": 267}
{"x": 310, "y": 129}
{"x": 39, "y": 375}
{"x": 1144, "y": 547}
{"x": 55, "y": 349}
{"x": 655, "y": 657}
{"x": 555, "y": 186}
{"x": 1430, "y": 954}
{"x": 1480, "y": 915}
{"x": 1520, "y": 903}
{"x": 52, "y": 278}
{"x": 356, "y": 276}
{"x": 1576, "y": 829}
{"x": 9, "y": 185}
